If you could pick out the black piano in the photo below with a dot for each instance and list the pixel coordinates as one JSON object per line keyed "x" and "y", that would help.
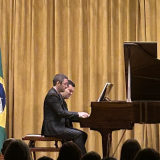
{"x": 142, "y": 73}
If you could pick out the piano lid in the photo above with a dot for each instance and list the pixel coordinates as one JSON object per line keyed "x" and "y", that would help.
{"x": 142, "y": 71}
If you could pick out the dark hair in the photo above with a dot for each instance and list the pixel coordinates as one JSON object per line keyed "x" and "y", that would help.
{"x": 17, "y": 150}
{"x": 91, "y": 156}
{"x": 45, "y": 158}
{"x": 6, "y": 144}
{"x": 60, "y": 78}
{"x": 109, "y": 158}
{"x": 129, "y": 149}
{"x": 70, "y": 83}
{"x": 147, "y": 154}
{"x": 69, "y": 151}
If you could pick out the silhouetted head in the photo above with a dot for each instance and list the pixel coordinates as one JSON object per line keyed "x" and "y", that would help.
{"x": 69, "y": 151}
{"x": 130, "y": 149}
{"x": 147, "y": 154}
{"x": 6, "y": 144}
{"x": 91, "y": 156}
{"x": 17, "y": 150}
{"x": 45, "y": 158}
{"x": 109, "y": 158}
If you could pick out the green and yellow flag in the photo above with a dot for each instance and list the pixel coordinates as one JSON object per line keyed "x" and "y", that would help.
{"x": 2, "y": 107}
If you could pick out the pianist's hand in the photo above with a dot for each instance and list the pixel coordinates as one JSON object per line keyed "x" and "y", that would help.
{"x": 83, "y": 114}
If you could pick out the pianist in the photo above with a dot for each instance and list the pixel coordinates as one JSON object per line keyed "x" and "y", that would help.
{"x": 57, "y": 118}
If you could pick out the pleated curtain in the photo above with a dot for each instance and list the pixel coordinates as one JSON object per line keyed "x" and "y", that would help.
{"x": 82, "y": 39}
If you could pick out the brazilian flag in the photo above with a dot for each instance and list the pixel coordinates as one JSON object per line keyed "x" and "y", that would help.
{"x": 3, "y": 136}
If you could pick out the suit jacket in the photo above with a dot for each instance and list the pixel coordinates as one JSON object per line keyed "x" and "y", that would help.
{"x": 68, "y": 121}
{"x": 55, "y": 114}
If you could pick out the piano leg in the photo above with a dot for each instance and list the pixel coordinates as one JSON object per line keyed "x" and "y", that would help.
{"x": 106, "y": 140}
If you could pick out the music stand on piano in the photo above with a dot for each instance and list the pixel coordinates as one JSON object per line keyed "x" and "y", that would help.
{"x": 104, "y": 95}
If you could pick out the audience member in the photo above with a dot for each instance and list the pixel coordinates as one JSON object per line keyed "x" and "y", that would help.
{"x": 69, "y": 151}
{"x": 147, "y": 154}
{"x": 91, "y": 156}
{"x": 45, "y": 158}
{"x": 109, "y": 158}
{"x": 17, "y": 150}
{"x": 6, "y": 144}
{"x": 130, "y": 149}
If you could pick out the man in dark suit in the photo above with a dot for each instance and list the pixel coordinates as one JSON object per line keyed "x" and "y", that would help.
{"x": 56, "y": 115}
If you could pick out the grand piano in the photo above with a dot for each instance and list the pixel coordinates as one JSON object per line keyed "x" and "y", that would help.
{"x": 142, "y": 105}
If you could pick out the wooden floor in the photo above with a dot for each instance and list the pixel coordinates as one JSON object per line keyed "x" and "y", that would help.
{"x": 1, "y": 157}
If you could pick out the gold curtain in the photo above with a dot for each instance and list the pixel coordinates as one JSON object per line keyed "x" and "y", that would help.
{"x": 80, "y": 38}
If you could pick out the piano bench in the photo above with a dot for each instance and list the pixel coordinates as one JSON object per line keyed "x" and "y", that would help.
{"x": 37, "y": 137}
